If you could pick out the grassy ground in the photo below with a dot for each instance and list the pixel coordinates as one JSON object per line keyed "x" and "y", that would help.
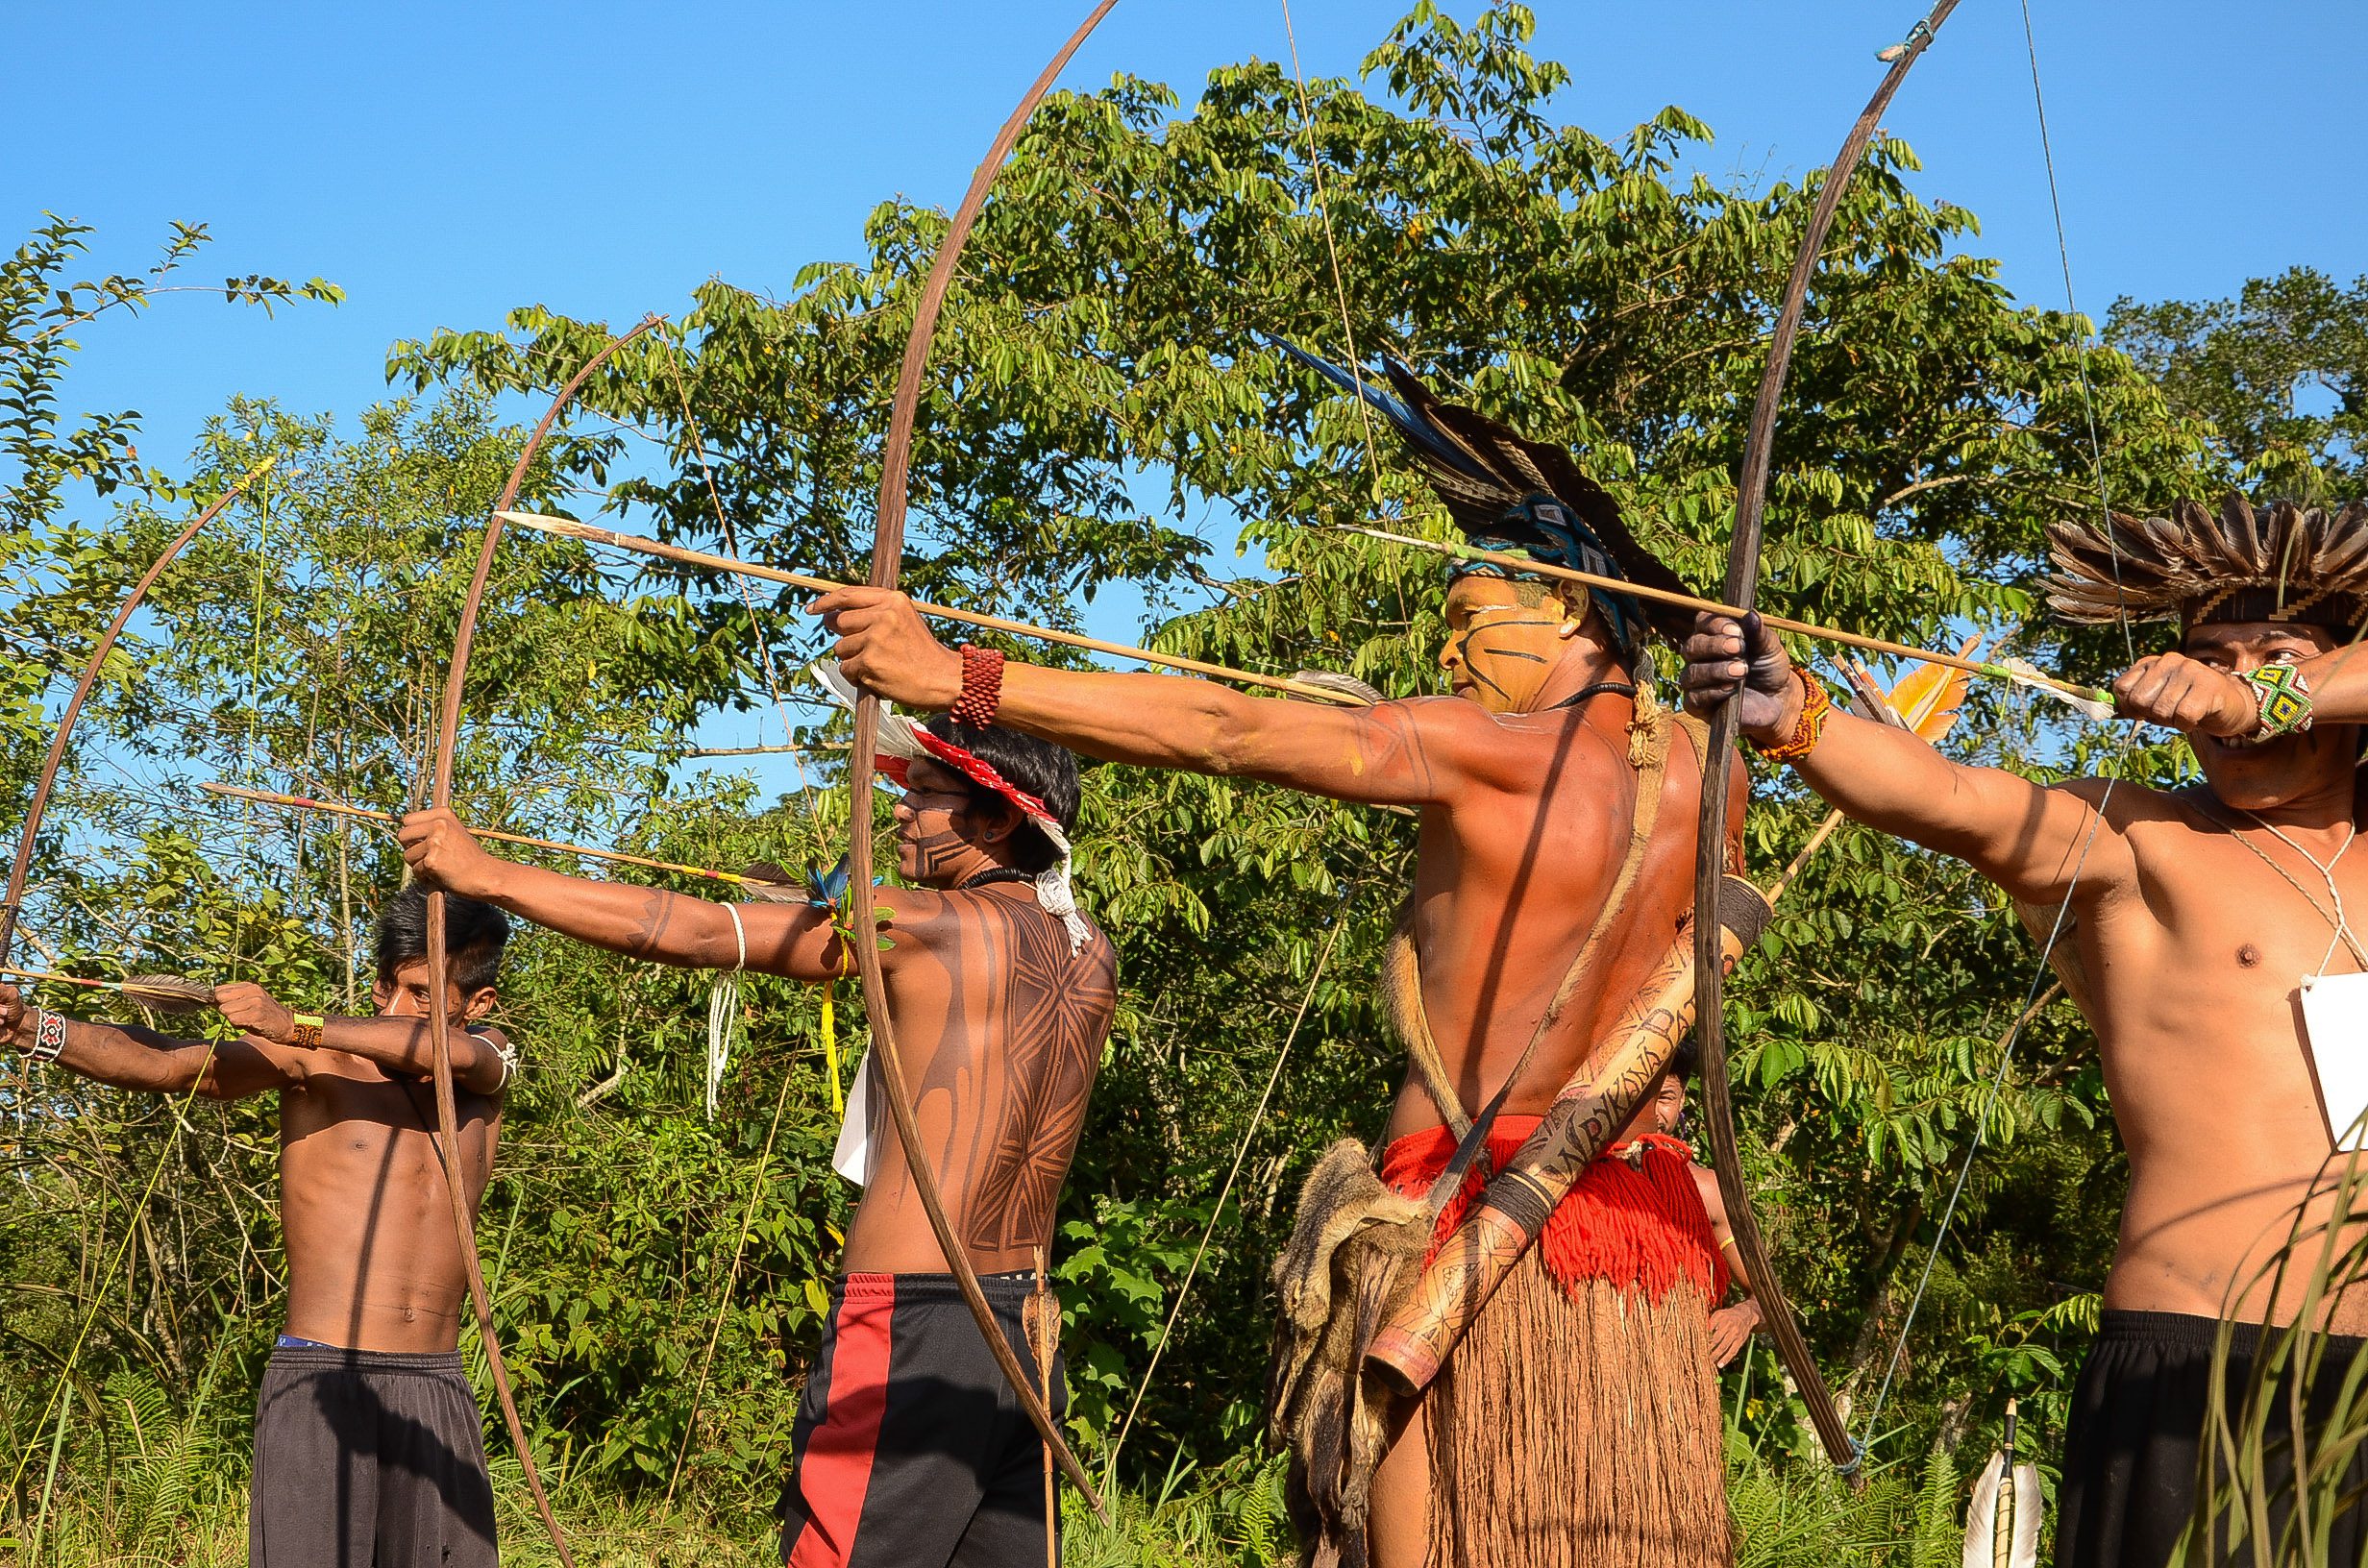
{"x": 1793, "y": 1516}
{"x": 1215, "y": 1526}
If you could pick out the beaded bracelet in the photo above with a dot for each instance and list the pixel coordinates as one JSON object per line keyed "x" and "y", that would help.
{"x": 982, "y": 687}
{"x": 2284, "y": 698}
{"x": 308, "y": 1031}
{"x": 1808, "y": 731}
{"x": 48, "y": 1037}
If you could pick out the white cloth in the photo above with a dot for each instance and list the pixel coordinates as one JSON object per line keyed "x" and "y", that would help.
{"x": 724, "y": 1011}
{"x": 856, "y": 1153}
{"x": 2335, "y": 1029}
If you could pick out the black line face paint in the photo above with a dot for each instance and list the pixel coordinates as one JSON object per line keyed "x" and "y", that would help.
{"x": 1470, "y": 651}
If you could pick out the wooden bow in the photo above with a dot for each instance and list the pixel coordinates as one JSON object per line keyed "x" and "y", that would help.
{"x": 1710, "y": 855}
{"x": 439, "y": 960}
{"x": 21, "y": 868}
{"x": 887, "y": 557}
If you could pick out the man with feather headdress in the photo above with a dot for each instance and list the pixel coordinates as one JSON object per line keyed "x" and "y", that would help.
{"x": 2206, "y": 936}
{"x": 1579, "y": 1424}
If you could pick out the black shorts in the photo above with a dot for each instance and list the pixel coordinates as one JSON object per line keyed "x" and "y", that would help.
{"x": 2131, "y": 1449}
{"x": 910, "y": 1450}
{"x": 368, "y": 1457}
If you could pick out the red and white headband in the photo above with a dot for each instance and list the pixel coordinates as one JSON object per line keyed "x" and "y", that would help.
{"x": 904, "y": 741}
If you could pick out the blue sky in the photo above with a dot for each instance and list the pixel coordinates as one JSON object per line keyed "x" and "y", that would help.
{"x": 444, "y": 162}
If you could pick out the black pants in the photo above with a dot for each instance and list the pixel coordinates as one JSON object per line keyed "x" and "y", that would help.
{"x": 2130, "y": 1476}
{"x": 368, "y": 1459}
{"x": 910, "y": 1450}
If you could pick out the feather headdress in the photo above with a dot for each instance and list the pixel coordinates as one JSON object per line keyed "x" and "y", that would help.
{"x": 1512, "y": 495}
{"x": 2280, "y": 562}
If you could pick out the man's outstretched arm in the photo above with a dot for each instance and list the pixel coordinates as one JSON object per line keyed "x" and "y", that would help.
{"x": 792, "y": 940}
{"x": 2032, "y": 841}
{"x": 125, "y": 1057}
{"x": 399, "y": 1045}
{"x": 1400, "y": 753}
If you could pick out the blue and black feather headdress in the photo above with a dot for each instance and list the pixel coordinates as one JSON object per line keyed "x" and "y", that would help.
{"x": 1517, "y": 496}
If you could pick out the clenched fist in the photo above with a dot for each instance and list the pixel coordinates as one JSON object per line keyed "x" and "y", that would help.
{"x": 1725, "y": 655}
{"x": 884, "y": 647}
{"x": 442, "y": 854}
{"x": 15, "y": 1018}
{"x": 2187, "y": 695}
{"x": 256, "y": 1011}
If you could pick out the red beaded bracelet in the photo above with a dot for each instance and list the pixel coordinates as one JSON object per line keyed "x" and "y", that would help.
{"x": 982, "y": 687}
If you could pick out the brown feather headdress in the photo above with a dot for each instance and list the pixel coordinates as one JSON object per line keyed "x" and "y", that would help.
{"x": 2280, "y": 562}
{"x": 1515, "y": 495}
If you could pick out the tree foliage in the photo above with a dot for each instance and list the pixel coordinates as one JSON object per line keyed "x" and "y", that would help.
{"x": 1105, "y": 396}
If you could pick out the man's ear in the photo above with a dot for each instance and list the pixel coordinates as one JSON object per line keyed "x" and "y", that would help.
{"x": 990, "y": 827}
{"x": 483, "y": 1002}
{"x": 382, "y": 993}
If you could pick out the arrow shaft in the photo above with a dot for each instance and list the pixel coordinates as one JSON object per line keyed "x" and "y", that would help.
{"x": 1712, "y": 607}
{"x": 338, "y": 808}
{"x": 52, "y": 977}
{"x": 568, "y": 528}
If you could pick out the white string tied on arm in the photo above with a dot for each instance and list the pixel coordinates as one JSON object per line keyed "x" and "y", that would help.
{"x": 724, "y": 1010}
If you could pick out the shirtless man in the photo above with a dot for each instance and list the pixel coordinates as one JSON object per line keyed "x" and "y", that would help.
{"x": 1732, "y": 1325}
{"x": 2199, "y": 920}
{"x": 1527, "y": 793}
{"x": 908, "y": 1450}
{"x": 367, "y": 1441}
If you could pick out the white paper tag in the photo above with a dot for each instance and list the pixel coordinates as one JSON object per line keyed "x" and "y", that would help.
{"x": 2335, "y": 1028}
{"x": 854, "y": 1156}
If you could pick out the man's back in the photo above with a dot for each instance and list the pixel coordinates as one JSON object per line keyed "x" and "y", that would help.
{"x": 1001, "y": 1028}
{"x": 1508, "y": 886}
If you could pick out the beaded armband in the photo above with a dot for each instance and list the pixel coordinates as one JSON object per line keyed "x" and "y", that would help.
{"x": 48, "y": 1037}
{"x": 982, "y": 687}
{"x": 1815, "y": 705}
{"x": 308, "y": 1032}
{"x": 2285, "y": 698}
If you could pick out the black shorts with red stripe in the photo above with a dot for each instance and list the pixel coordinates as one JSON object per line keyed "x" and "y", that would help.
{"x": 910, "y": 1449}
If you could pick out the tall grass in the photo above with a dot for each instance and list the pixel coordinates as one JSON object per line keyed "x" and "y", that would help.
{"x": 178, "y": 1500}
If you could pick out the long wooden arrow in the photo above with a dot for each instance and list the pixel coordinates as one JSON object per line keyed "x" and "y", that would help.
{"x": 340, "y": 808}
{"x": 573, "y": 530}
{"x": 2091, "y": 700}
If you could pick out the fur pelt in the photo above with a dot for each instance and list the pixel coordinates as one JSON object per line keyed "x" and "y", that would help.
{"x": 1355, "y": 1254}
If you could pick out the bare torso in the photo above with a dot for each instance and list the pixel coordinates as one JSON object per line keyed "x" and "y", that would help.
{"x": 1506, "y": 890}
{"x": 2191, "y": 984}
{"x": 373, "y": 1260}
{"x": 1001, "y": 1031}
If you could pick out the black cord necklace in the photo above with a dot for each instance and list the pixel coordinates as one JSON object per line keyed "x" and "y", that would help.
{"x": 1621, "y": 688}
{"x": 992, "y": 875}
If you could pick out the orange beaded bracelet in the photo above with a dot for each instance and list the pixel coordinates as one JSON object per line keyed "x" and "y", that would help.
{"x": 1808, "y": 731}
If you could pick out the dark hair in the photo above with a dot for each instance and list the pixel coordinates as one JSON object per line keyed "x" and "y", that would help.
{"x": 1685, "y": 1061}
{"x": 1034, "y": 767}
{"x": 474, "y": 935}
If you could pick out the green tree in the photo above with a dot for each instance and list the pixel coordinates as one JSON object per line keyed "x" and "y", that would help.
{"x": 2281, "y": 371}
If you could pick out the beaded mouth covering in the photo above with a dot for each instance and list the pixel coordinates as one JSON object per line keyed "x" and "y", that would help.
{"x": 2200, "y": 566}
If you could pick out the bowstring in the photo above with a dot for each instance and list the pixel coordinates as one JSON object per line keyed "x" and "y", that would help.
{"x": 1332, "y": 252}
{"x": 797, "y": 752}
{"x": 1240, "y": 1152}
{"x": 764, "y": 635}
{"x": 2113, "y": 781}
{"x": 179, "y": 1109}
